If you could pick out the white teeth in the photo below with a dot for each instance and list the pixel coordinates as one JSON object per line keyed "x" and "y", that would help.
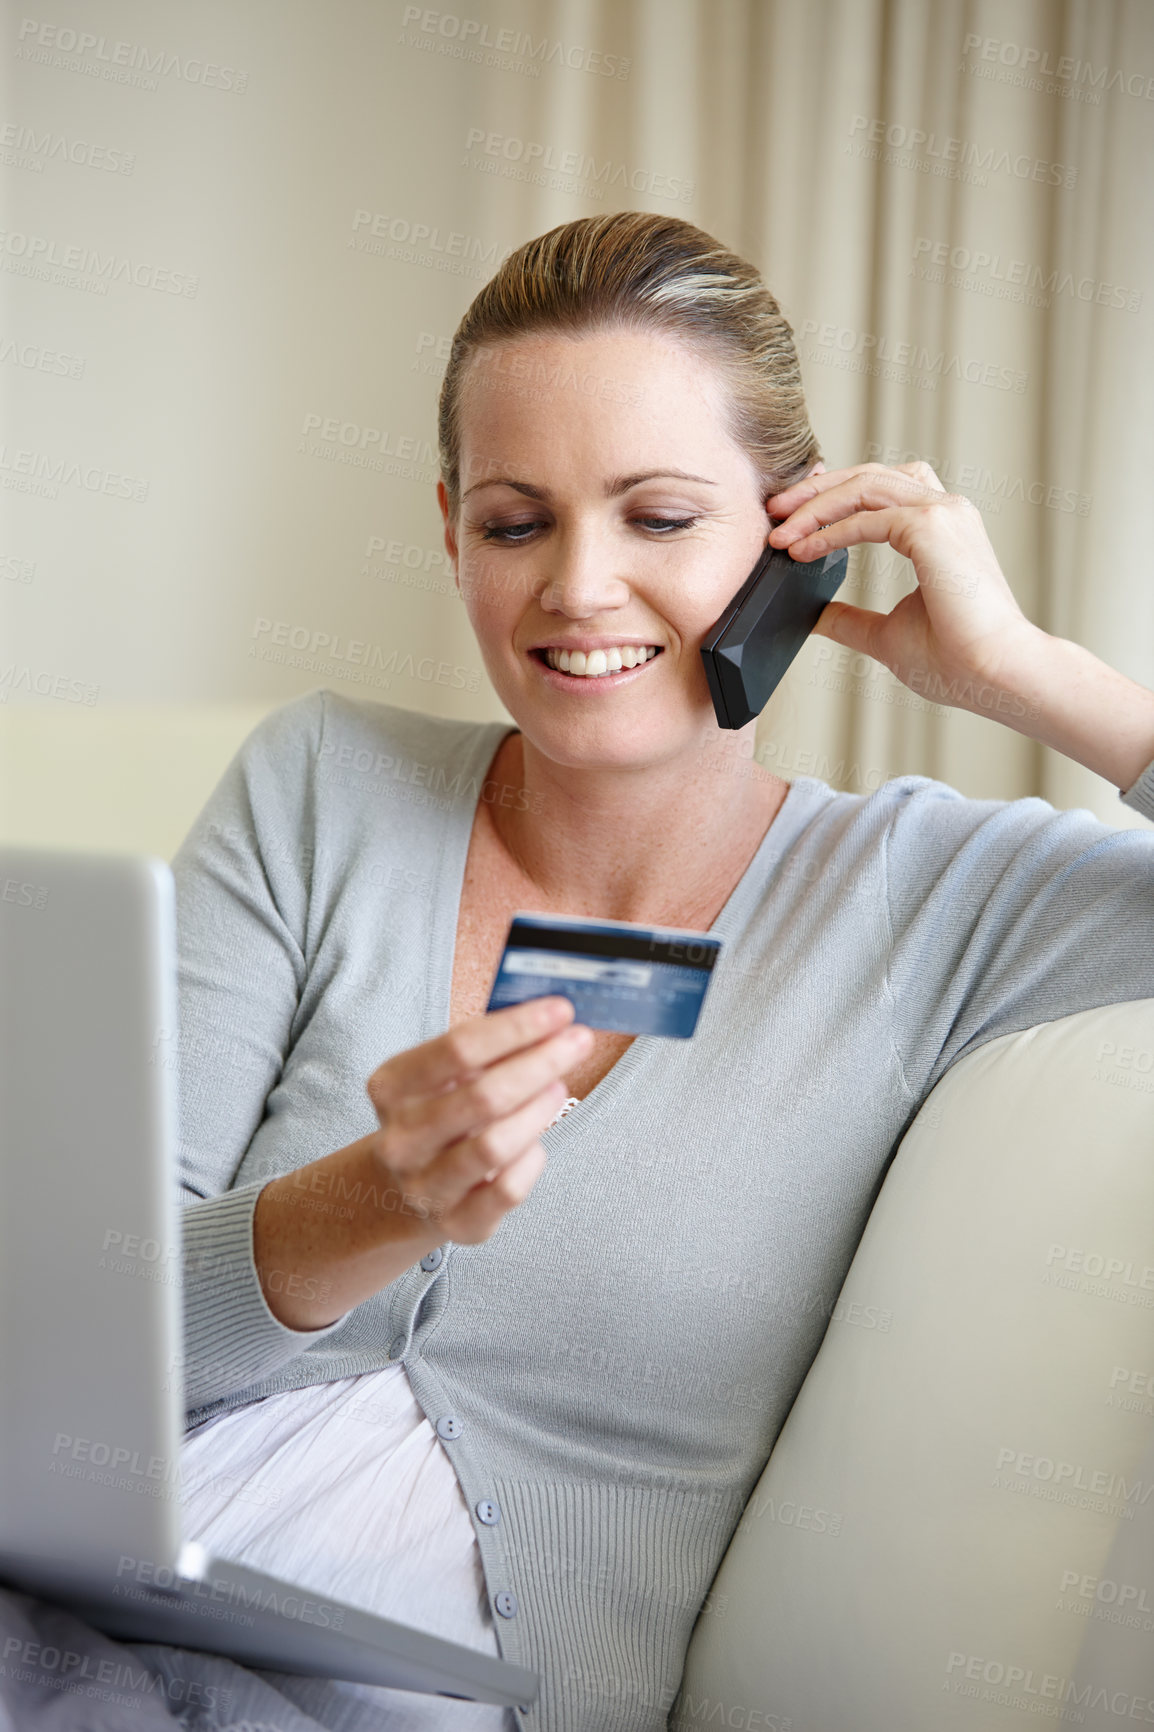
{"x": 595, "y": 664}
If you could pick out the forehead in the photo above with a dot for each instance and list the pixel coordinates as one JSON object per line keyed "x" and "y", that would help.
{"x": 606, "y": 396}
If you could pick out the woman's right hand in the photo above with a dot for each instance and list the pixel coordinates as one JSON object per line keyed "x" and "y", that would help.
{"x": 461, "y": 1115}
{"x": 457, "y": 1148}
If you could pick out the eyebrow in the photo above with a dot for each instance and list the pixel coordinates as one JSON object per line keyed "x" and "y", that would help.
{"x": 619, "y": 483}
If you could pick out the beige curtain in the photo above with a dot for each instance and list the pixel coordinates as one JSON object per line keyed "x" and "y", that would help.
{"x": 237, "y": 240}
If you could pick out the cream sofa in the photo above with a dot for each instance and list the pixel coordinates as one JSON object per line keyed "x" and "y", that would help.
{"x": 955, "y": 1529}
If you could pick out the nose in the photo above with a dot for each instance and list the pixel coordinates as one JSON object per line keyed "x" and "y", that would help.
{"x": 578, "y": 578}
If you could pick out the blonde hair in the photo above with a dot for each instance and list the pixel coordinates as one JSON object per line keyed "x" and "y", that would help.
{"x": 639, "y": 271}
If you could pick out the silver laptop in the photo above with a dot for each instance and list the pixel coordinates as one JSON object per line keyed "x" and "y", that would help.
{"x": 91, "y": 1397}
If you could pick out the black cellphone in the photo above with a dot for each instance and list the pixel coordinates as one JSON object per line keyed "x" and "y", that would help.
{"x": 748, "y": 649}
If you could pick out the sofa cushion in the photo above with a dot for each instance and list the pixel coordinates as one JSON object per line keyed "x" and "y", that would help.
{"x": 956, "y": 1526}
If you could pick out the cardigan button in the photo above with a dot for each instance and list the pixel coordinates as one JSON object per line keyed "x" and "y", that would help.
{"x": 397, "y": 1347}
{"x": 432, "y": 1259}
{"x": 448, "y": 1426}
{"x": 488, "y": 1512}
{"x": 506, "y": 1603}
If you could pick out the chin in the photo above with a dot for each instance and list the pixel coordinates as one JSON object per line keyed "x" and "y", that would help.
{"x": 613, "y": 742}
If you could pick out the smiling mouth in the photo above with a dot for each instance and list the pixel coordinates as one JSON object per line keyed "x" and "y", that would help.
{"x": 597, "y": 663}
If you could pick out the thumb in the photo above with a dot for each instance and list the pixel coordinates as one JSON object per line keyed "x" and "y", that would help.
{"x": 855, "y": 627}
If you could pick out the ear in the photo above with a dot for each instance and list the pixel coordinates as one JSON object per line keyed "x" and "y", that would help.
{"x": 450, "y": 535}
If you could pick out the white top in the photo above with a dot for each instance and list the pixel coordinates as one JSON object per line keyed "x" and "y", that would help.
{"x": 345, "y": 1488}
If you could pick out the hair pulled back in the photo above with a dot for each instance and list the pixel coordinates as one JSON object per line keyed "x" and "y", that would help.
{"x": 635, "y": 270}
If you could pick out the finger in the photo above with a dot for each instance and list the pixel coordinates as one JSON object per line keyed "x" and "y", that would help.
{"x": 872, "y": 525}
{"x": 864, "y": 483}
{"x": 873, "y": 492}
{"x": 820, "y": 480}
{"x": 420, "y": 1126}
{"x": 854, "y": 627}
{"x": 921, "y": 471}
{"x": 481, "y": 1159}
{"x": 482, "y": 1209}
{"x": 451, "y": 1057}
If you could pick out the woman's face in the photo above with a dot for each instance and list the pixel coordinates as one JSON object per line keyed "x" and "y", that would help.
{"x": 604, "y": 507}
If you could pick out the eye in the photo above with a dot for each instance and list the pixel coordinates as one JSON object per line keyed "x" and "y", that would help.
{"x": 506, "y": 532}
{"x": 663, "y": 523}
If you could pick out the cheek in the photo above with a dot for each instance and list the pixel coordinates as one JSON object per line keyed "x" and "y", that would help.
{"x": 694, "y": 599}
{"x": 493, "y": 593}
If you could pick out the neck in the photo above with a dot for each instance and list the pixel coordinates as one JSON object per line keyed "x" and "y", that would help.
{"x": 663, "y": 844}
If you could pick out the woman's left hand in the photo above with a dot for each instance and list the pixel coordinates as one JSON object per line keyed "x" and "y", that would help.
{"x": 960, "y": 638}
{"x": 956, "y": 638}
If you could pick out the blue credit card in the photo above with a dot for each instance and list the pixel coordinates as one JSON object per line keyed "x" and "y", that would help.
{"x": 616, "y": 974}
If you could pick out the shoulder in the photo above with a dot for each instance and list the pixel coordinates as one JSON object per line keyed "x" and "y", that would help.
{"x": 324, "y": 729}
{"x": 921, "y": 804}
{"x": 920, "y": 829}
{"x": 354, "y": 725}
{"x": 947, "y": 857}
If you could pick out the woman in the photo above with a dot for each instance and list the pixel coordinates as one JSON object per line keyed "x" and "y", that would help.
{"x": 501, "y": 1345}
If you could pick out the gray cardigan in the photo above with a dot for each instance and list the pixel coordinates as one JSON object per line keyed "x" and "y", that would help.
{"x": 619, "y": 1358}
